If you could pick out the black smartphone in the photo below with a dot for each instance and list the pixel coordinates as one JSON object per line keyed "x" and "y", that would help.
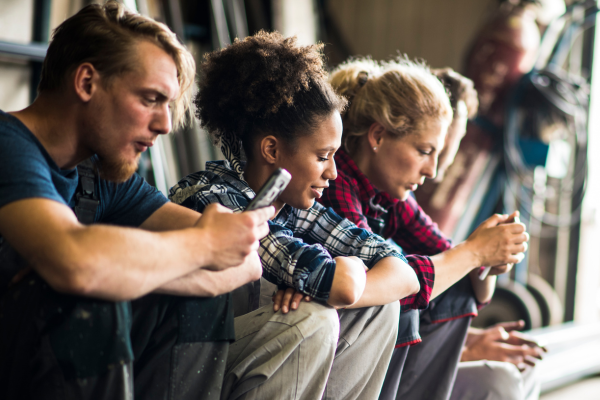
{"x": 272, "y": 188}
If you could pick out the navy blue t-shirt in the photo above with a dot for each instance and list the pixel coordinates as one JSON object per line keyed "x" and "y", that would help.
{"x": 27, "y": 171}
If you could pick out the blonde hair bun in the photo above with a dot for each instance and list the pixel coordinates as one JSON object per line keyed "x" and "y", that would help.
{"x": 400, "y": 94}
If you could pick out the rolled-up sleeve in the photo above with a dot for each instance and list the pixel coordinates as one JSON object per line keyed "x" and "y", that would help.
{"x": 341, "y": 237}
{"x": 425, "y": 271}
{"x": 290, "y": 262}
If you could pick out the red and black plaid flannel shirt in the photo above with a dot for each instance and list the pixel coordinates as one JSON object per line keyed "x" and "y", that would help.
{"x": 353, "y": 196}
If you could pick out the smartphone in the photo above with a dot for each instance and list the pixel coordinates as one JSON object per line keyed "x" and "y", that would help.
{"x": 272, "y": 188}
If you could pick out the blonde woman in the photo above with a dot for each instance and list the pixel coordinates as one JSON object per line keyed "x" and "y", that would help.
{"x": 394, "y": 130}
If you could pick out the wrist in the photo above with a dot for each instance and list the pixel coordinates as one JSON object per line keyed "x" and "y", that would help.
{"x": 471, "y": 254}
{"x": 201, "y": 243}
{"x": 474, "y": 275}
{"x": 467, "y": 355}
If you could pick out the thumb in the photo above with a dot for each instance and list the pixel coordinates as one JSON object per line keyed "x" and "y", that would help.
{"x": 514, "y": 217}
{"x": 494, "y": 220}
{"x": 262, "y": 214}
{"x": 497, "y": 333}
{"x": 512, "y": 326}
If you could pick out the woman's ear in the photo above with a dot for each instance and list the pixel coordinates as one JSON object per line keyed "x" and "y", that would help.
{"x": 270, "y": 149}
{"x": 375, "y": 135}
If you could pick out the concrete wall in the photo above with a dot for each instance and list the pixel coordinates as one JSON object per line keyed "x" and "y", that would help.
{"x": 16, "y": 22}
{"x": 439, "y": 31}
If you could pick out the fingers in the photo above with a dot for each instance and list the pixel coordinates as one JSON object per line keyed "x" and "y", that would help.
{"x": 262, "y": 215}
{"x": 520, "y": 352}
{"x": 530, "y": 361}
{"x": 496, "y": 333}
{"x": 277, "y": 299}
{"x": 516, "y": 227}
{"x": 520, "y": 339}
{"x": 516, "y": 258}
{"x": 287, "y": 299}
{"x": 522, "y": 248}
{"x": 494, "y": 220}
{"x": 296, "y": 299}
{"x": 259, "y": 218}
{"x": 514, "y": 216}
{"x": 512, "y": 325}
{"x": 500, "y": 269}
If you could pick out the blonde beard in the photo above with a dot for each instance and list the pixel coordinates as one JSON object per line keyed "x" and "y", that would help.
{"x": 116, "y": 170}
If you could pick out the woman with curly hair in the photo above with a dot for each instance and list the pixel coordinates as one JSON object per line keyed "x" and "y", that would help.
{"x": 267, "y": 101}
{"x": 394, "y": 129}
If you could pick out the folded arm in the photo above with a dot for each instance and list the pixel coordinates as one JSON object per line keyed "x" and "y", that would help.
{"x": 391, "y": 279}
{"x": 206, "y": 283}
{"x": 117, "y": 263}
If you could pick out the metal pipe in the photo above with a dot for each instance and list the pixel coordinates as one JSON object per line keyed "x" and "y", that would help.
{"x": 30, "y": 52}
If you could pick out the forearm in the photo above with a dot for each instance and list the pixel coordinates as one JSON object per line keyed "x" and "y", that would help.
{"x": 391, "y": 279}
{"x": 484, "y": 289}
{"x": 119, "y": 263}
{"x": 205, "y": 283}
{"x": 451, "y": 266}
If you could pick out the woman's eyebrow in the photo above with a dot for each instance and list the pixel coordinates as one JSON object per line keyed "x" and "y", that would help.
{"x": 429, "y": 144}
{"x": 328, "y": 148}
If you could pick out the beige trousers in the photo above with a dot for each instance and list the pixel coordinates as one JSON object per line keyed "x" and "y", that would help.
{"x": 290, "y": 356}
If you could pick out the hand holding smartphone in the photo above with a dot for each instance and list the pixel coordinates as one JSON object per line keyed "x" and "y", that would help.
{"x": 272, "y": 188}
{"x": 487, "y": 270}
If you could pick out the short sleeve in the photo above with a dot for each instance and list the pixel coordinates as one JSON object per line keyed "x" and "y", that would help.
{"x": 25, "y": 169}
{"x": 129, "y": 203}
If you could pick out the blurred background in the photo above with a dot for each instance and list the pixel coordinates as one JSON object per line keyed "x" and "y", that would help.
{"x": 530, "y": 148}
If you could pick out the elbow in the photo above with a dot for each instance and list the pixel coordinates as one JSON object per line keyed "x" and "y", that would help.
{"x": 349, "y": 296}
{"x": 73, "y": 280}
{"x": 483, "y": 298}
{"x": 411, "y": 283}
{"x": 256, "y": 274}
{"x": 415, "y": 286}
{"x": 78, "y": 278}
{"x": 348, "y": 284}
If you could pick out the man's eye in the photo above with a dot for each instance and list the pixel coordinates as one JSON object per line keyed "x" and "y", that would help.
{"x": 425, "y": 152}
{"x": 323, "y": 159}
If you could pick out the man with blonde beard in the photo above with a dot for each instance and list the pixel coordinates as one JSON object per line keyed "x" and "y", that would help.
{"x": 80, "y": 239}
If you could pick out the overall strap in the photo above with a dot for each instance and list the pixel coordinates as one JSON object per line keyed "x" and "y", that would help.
{"x": 378, "y": 225}
{"x": 86, "y": 202}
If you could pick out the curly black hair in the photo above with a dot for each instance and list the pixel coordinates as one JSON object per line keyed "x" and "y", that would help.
{"x": 264, "y": 84}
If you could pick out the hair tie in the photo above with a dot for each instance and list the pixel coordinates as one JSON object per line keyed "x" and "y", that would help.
{"x": 363, "y": 77}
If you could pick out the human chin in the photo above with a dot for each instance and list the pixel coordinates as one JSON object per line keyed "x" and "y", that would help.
{"x": 302, "y": 201}
{"x": 401, "y": 193}
{"x": 115, "y": 169}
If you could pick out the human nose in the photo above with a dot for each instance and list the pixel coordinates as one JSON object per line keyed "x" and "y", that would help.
{"x": 161, "y": 123}
{"x": 330, "y": 172}
{"x": 430, "y": 168}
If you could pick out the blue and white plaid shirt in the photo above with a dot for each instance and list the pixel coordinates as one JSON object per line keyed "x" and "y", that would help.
{"x": 298, "y": 252}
